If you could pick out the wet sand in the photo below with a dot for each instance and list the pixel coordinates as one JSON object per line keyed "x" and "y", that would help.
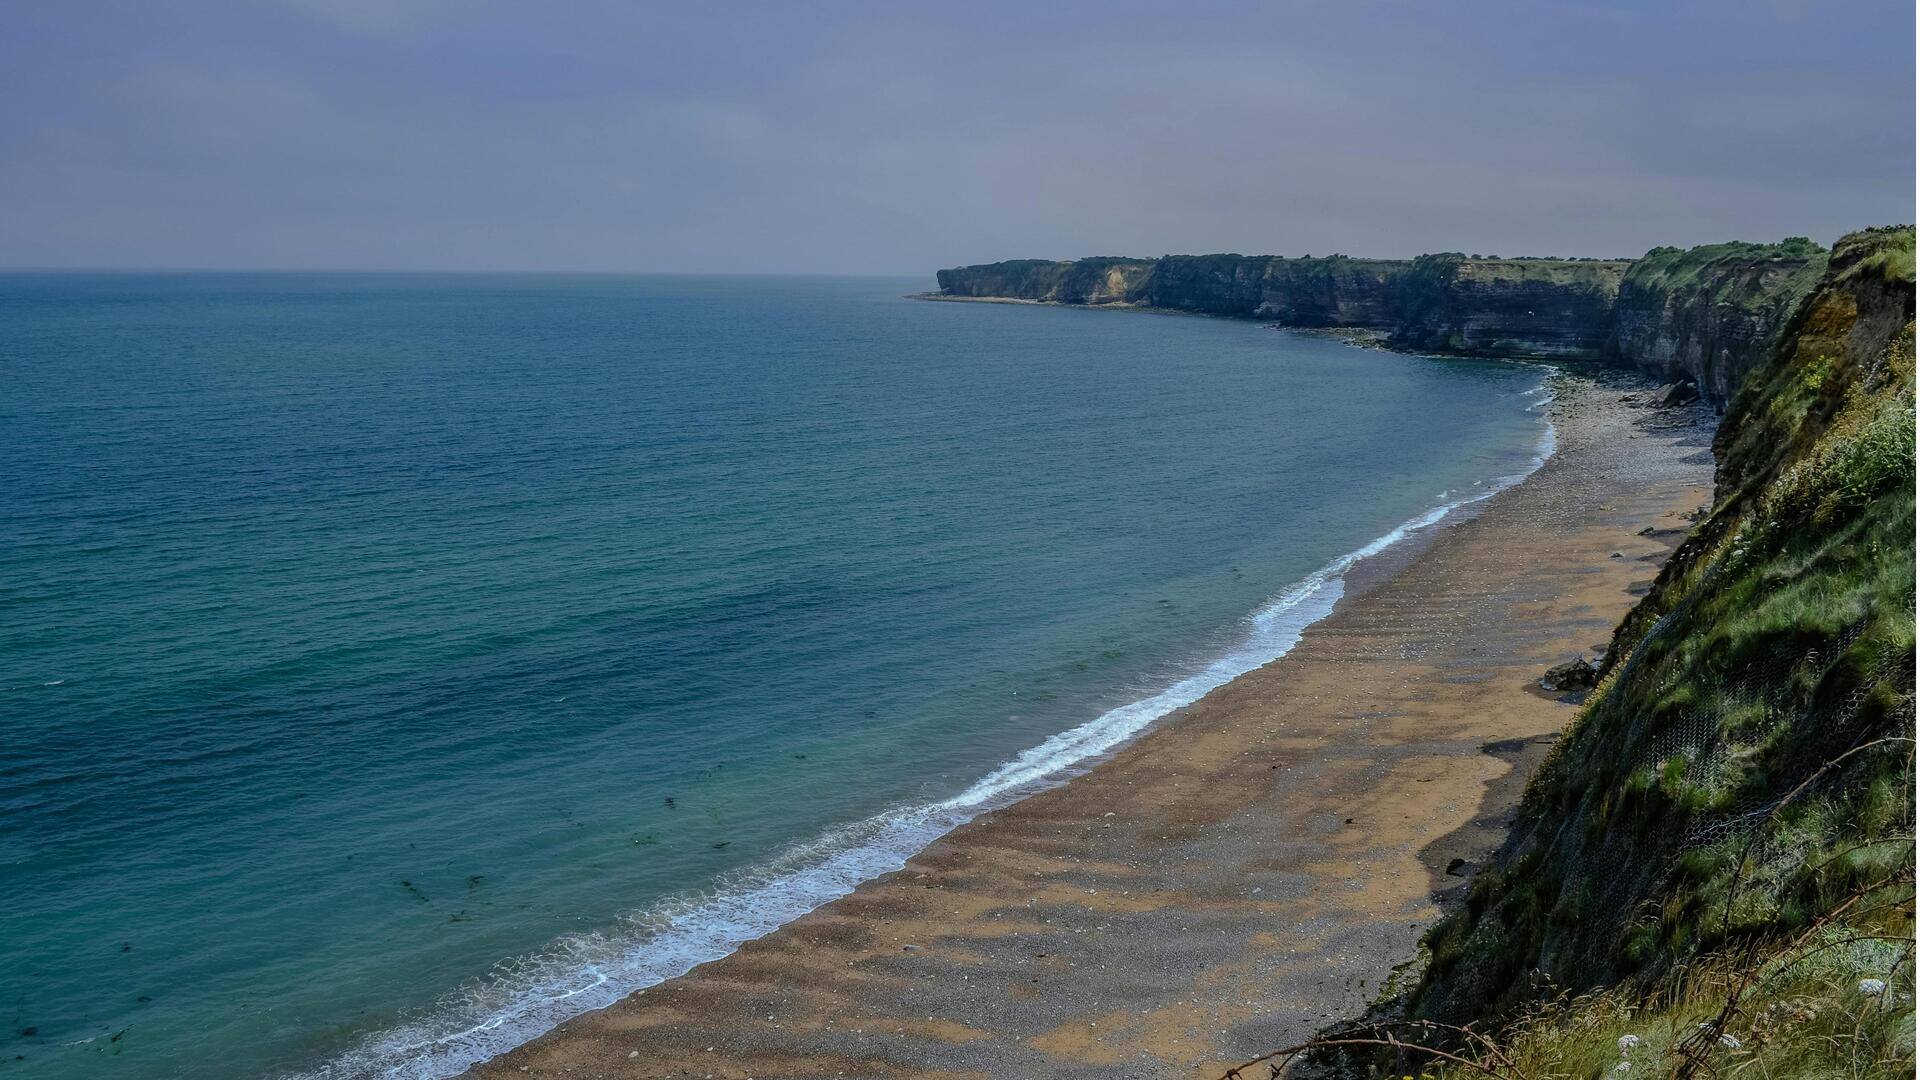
{"x": 1246, "y": 872}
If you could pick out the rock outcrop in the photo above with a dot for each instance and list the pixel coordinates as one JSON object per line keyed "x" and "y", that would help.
{"x": 1575, "y": 674}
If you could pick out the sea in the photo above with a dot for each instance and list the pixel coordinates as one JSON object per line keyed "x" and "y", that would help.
{"x": 393, "y": 666}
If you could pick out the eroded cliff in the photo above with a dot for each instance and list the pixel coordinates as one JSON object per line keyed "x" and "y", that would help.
{"x": 1331, "y": 291}
{"x": 1707, "y": 315}
{"x": 1507, "y": 307}
{"x": 1452, "y": 303}
{"x": 1102, "y": 280}
{"x": 1710, "y": 313}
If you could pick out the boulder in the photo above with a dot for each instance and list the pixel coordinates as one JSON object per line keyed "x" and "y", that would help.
{"x": 1575, "y": 674}
{"x": 1675, "y": 394}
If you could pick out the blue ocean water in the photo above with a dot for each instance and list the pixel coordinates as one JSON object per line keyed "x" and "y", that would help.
{"x": 394, "y": 665}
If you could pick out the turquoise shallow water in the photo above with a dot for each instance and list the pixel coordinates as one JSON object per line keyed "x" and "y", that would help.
{"x": 393, "y": 665}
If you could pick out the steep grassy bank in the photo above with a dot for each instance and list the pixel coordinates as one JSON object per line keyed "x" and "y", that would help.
{"x": 1721, "y": 846}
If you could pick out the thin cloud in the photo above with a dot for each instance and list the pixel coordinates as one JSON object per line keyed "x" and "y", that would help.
{"x": 888, "y": 138}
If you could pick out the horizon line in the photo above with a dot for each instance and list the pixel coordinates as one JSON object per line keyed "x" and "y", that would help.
{"x": 29, "y": 269}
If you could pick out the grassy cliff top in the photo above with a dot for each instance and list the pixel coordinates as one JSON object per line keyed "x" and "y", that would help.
{"x": 1600, "y": 273}
{"x": 1712, "y": 268}
{"x": 1884, "y": 253}
{"x": 1528, "y": 268}
{"x": 1092, "y": 262}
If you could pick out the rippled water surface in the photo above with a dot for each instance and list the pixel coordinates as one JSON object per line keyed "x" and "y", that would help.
{"x": 393, "y": 665}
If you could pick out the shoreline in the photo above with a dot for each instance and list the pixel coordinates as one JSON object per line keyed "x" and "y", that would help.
{"x": 718, "y": 925}
{"x": 1113, "y": 305}
{"x": 828, "y": 867}
{"x": 1375, "y": 338}
{"x": 841, "y": 961}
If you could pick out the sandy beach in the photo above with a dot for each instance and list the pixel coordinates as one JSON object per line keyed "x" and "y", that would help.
{"x": 1248, "y": 871}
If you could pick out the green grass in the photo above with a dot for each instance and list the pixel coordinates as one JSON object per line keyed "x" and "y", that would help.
{"x": 1746, "y": 763}
{"x": 1800, "y": 1015}
{"x": 1604, "y": 274}
{"x": 1887, "y": 253}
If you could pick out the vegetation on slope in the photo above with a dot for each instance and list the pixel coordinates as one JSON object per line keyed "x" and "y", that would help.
{"x": 1714, "y": 869}
{"x": 1736, "y": 798}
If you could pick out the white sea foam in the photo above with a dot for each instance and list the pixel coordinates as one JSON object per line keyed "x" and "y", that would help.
{"x": 530, "y": 996}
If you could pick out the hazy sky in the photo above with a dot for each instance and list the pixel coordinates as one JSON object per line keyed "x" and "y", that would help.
{"x": 902, "y": 137}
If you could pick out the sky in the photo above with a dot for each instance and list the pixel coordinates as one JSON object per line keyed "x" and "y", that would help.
{"x": 900, "y": 137}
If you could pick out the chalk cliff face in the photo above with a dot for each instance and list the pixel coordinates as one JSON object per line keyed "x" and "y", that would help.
{"x": 1710, "y": 314}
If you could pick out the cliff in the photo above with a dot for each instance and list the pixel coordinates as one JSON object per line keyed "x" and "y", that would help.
{"x": 1722, "y": 842}
{"x": 1103, "y": 280}
{"x": 1706, "y": 315}
{"x": 1506, "y": 307}
{"x": 1487, "y": 307}
{"x": 1332, "y": 291}
{"x": 1335, "y": 291}
{"x": 1711, "y": 313}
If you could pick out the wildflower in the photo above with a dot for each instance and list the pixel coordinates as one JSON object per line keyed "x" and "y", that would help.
{"x": 1628, "y": 1042}
{"x": 1623, "y": 1066}
{"x": 1873, "y": 987}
